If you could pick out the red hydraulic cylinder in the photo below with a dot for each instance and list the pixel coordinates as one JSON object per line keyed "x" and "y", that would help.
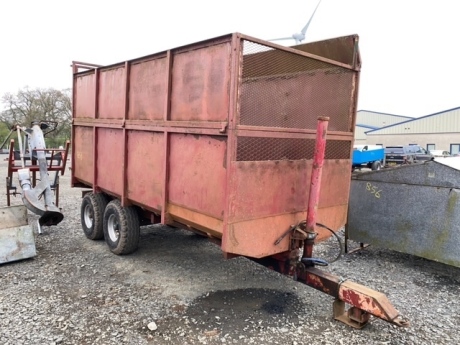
{"x": 315, "y": 185}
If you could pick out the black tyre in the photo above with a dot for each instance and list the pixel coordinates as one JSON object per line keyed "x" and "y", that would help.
{"x": 376, "y": 165}
{"x": 92, "y": 215}
{"x": 121, "y": 228}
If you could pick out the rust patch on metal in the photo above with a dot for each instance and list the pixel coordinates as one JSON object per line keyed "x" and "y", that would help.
{"x": 318, "y": 279}
{"x": 371, "y": 301}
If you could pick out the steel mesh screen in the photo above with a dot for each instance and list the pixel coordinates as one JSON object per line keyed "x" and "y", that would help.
{"x": 338, "y": 149}
{"x": 286, "y": 90}
{"x": 263, "y": 149}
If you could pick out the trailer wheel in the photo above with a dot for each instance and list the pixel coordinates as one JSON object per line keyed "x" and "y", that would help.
{"x": 121, "y": 228}
{"x": 92, "y": 213}
{"x": 376, "y": 165}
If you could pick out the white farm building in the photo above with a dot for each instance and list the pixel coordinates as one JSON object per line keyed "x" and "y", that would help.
{"x": 440, "y": 131}
{"x": 370, "y": 120}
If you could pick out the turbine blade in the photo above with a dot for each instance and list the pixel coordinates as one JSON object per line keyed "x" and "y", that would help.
{"x": 281, "y": 39}
{"x": 304, "y": 30}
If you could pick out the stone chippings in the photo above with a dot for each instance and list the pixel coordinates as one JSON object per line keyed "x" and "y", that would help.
{"x": 177, "y": 289}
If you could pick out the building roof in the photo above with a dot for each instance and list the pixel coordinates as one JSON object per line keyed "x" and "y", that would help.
{"x": 367, "y": 126}
{"x": 413, "y": 120}
{"x": 375, "y": 119}
{"x": 380, "y": 113}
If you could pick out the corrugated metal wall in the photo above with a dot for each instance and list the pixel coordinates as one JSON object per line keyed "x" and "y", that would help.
{"x": 360, "y": 134}
{"x": 441, "y": 141}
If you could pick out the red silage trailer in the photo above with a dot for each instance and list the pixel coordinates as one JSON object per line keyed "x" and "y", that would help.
{"x": 219, "y": 137}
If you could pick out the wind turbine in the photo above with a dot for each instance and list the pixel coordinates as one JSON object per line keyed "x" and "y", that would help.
{"x": 299, "y": 37}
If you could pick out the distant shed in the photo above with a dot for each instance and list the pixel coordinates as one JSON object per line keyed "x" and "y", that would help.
{"x": 439, "y": 131}
{"x": 379, "y": 120}
{"x": 370, "y": 120}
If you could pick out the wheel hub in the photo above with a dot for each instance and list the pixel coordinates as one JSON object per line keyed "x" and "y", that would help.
{"x": 113, "y": 228}
{"x": 88, "y": 217}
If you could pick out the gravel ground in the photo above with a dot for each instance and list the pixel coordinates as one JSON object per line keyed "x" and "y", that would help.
{"x": 177, "y": 289}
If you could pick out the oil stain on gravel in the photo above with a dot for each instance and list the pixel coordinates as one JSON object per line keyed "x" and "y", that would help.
{"x": 240, "y": 311}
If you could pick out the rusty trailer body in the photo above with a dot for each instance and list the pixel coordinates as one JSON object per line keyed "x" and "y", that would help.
{"x": 218, "y": 137}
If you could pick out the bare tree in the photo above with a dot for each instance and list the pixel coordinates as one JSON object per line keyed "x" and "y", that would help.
{"x": 30, "y": 105}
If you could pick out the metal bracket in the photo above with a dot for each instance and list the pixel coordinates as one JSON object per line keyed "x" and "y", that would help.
{"x": 223, "y": 127}
{"x": 298, "y": 233}
{"x": 354, "y": 317}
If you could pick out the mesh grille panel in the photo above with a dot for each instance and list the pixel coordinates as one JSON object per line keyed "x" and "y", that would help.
{"x": 286, "y": 90}
{"x": 338, "y": 149}
{"x": 263, "y": 149}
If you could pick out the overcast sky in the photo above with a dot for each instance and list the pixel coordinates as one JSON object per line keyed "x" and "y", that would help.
{"x": 409, "y": 49}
